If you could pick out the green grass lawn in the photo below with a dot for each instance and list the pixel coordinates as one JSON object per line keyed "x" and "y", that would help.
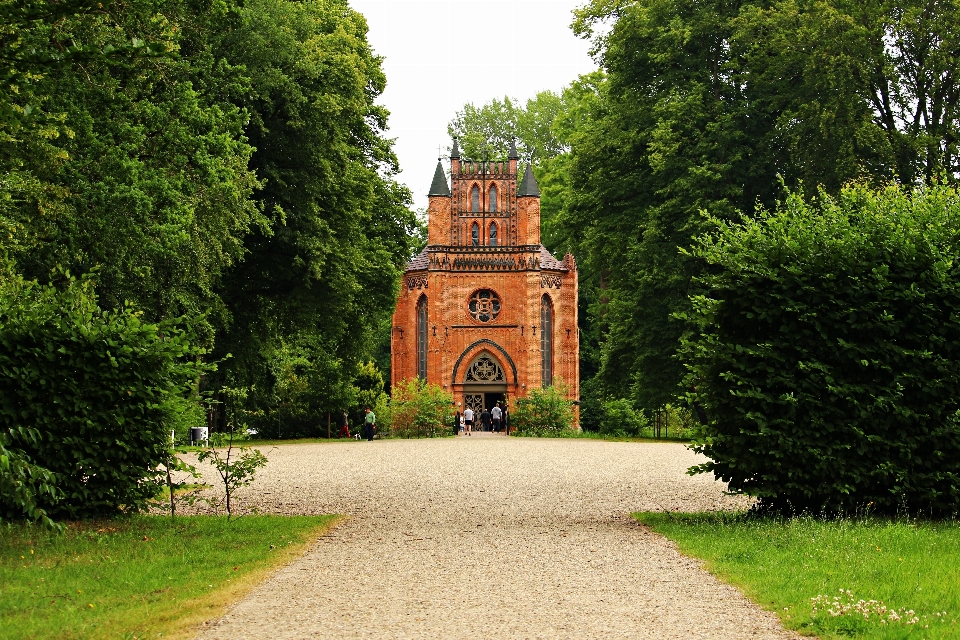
{"x": 784, "y": 564}
{"x": 139, "y": 577}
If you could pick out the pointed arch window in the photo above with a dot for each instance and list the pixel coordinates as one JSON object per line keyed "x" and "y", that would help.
{"x": 475, "y": 198}
{"x": 546, "y": 340}
{"x": 493, "y": 198}
{"x": 493, "y": 234}
{"x": 422, "y": 338}
{"x": 475, "y": 234}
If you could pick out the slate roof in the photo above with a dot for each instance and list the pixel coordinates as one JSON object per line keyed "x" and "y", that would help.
{"x": 513, "y": 155}
{"x": 456, "y": 150}
{"x": 439, "y": 186}
{"x": 529, "y": 186}
{"x": 547, "y": 261}
{"x": 419, "y": 263}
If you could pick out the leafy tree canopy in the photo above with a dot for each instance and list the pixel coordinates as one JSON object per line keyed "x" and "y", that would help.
{"x": 323, "y": 275}
{"x": 488, "y": 130}
{"x": 715, "y": 108}
{"x": 220, "y": 161}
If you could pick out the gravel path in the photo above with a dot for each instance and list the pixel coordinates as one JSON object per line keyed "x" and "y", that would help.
{"x": 489, "y": 537}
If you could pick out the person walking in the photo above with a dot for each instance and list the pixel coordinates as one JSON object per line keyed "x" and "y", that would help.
{"x": 369, "y": 423}
{"x": 456, "y": 423}
{"x": 468, "y": 420}
{"x": 496, "y": 414}
{"x": 344, "y": 425}
{"x": 485, "y": 420}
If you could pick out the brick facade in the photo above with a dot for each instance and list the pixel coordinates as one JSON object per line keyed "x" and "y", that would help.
{"x": 472, "y": 308}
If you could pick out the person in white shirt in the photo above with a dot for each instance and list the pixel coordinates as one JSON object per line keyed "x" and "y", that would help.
{"x": 496, "y": 414}
{"x": 468, "y": 419}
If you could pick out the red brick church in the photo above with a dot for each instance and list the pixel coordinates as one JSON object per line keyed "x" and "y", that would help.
{"x": 485, "y": 311}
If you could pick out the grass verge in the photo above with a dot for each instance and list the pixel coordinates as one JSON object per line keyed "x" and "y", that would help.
{"x": 910, "y": 569}
{"x": 139, "y": 577}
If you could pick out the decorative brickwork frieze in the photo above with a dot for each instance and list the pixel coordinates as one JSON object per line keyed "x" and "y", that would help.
{"x": 419, "y": 281}
{"x": 548, "y": 280}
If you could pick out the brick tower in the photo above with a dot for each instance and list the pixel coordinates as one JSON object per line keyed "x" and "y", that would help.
{"x": 485, "y": 311}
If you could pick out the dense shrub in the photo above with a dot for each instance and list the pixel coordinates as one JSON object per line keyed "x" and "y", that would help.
{"x": 544, "y": 412}
{"x": 591, "y": 405}
{"x": 102, "y": 389}
{"x": 22, "y": 483}
{"x": 419, "y": 409}
{"x": 827, "y": 356}
{"x": 621, "y": 418}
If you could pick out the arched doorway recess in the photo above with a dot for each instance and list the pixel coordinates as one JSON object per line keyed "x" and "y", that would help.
{"x": 484, "y": 382}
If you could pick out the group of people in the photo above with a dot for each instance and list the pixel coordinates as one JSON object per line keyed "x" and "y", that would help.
{"x": 495, "y": 419}
{"x": 369, "y": 420}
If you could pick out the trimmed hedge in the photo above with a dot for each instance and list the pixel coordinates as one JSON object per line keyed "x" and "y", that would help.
{"x": 827, "y": 352}
{"x": 102, "y": 389}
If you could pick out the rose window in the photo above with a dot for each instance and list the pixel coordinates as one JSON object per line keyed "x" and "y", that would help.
{"x": 484, "y": 305}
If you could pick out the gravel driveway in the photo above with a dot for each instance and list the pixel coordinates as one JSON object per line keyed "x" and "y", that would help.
{"x": 489, "y": 537}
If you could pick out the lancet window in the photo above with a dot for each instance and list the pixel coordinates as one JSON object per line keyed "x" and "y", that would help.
{"x": 475, "y": 234}
{"x": 475, "y": 198}
{"x": 493, "y": 198}
{"x": 546, "y": 340}
{"x": 493, "y": 234}
{"x": 422, "y": 337}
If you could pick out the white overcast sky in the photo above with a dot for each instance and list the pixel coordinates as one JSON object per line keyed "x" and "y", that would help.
{"x": 440, "y": 55}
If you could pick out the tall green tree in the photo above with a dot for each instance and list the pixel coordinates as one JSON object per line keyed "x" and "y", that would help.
{"x": 138, "y": 169}
{"x": 713, "y": 108}
{"x": 223, "y": 161}
{"x": 323, "y": 275}
{"x": 488, "y": 130}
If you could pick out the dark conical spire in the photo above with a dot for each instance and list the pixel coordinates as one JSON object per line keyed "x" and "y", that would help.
{"x": 513, "y": 155}
{"x": 440, "y": 186}
{"x": 456, "y": 150}
{"x": 529, "y": 186}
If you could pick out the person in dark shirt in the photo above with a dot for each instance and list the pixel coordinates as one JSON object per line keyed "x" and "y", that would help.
{"x": 485, "y": 419}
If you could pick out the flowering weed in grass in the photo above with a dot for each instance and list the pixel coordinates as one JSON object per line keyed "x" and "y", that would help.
{"x": 862, "y": 578}
{"x": 861, "y": 613}
{"x": 139, "y": 577}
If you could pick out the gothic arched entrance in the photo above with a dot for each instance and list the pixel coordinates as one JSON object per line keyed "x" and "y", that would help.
{"x": 484, "y": 382}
